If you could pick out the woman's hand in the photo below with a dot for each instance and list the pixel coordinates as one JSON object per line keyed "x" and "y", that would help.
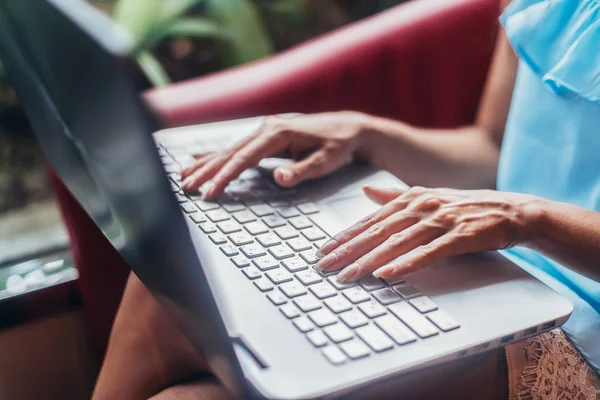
{"x": 420, "y": 226}
{"x": 320, "y": 144}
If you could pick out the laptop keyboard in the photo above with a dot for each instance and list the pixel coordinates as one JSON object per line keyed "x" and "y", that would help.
{"x": 272, "y": 237}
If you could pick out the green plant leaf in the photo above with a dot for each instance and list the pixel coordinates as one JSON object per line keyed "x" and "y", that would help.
{"x": 188, "y": 27}
{"x": 249, "y": 39}
{"x": 139, "y": 16}
{"x": 152, "y": 69}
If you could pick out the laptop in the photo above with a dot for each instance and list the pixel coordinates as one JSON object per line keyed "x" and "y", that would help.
{"x": 236, "y": 275}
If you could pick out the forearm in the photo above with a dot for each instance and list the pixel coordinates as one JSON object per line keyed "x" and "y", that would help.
{"x": 568, "y": 234}
{"x": 461, "y": 158}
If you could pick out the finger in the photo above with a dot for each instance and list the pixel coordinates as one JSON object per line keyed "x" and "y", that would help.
{"x": 395, "y": 246}
{"x": 439, "y": 249}
{"x": 381, "y": 195}
{"x": 198, "y": 163}
{"x": 204, "y": 173}
{"x": 366, "y": 241}
{"x": 345, "y": 236}
{"x": 246, "y": 157}
{"x": 319, "y": 163}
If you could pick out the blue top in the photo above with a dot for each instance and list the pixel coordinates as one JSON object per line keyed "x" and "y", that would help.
{"x": 551, "y": 145}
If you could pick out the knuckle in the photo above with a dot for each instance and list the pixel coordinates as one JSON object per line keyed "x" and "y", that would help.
{"x": 343, "y": 251}
{"x": 376, "y": 231}
{"x": 396, "y": 239}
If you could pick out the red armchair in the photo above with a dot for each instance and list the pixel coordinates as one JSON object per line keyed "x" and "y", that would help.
{"x": 423, "y": 62}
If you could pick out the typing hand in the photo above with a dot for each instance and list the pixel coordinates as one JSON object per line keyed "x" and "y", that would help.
{"x": 417, "y": 227}
{"x": 319, "y": 144}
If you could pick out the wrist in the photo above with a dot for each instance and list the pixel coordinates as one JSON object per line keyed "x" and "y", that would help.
{"x": 534, "y": 212}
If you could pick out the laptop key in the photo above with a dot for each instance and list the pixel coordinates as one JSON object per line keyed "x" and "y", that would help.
{"x": 394, "y": 281}
{"x": 277, "y": 297}
{"x": 229, "y": 250}
{"x": 303, "y": 324}
{"x": 206, "y": 205}
{"x": 308, "y": 303}
{"x": 188, "y": 208}
{"x": 243, "y": 217}
{"x": 290, "y": 310}
{"x": 180, "y": 198}
{"x": 273, "y": 221}
{"x": 395, "y": 329}
{"x": 300, "y": 222}
{"x": 281, "y": 252}
{"x": 322, "y": 317}
{"x": 338, "y": 333}
{"x": 288, "y": 212}
{"x": 355, "y": 349}
{"x": 265, "y": 263}
{"x": 207, "y": 227}
{"x": 340, "y": 285}
{"x": 228, "y": 227}
{"x": 370, "y": 283}
{"x": 241, "y": 238}
{"x": 335, "y": 355}
{"x": 375, "y": 338}
{"x": 413, "y": 319}
{"x": 279, "y": 275}
{"x": 443, "y": 321}
{"x": 299, "y": 244}
{"x": 240, "y": 261}
{"x": 317, "y": 338}
{"x": 253, "y": 250}
{"x": 217, "y": 215}
{"x": 256, "y": 228}
{"x": 264, "y": 285}
{"x": 310, "y": 256}
{"x": 286, "y": 232}
{"x": 406, "y": 291}
{"x": 386, "y": 296}
{"x": 323, "y": 290}
{"x": 319, "y": 243}
{"x": 313, "y": 234}
{"x": 424, "y": 304}
{"x": 354, "y": 319}
{"x": 262, "y": 209}
{"x": 293, "y": 289}
{"x": 252, "y": 272}
{"x": 372, "y": 309}
{"x": 217, "y": 238}
{"x": 356, "y": 294}
{"x": 308, "y": 208}
{"x": 294, "y": 264}
{"x": 268, "y": 239}
{"x": 308, "y": 277}
{"x": 338, "y": 304}
{"x": 232, "y": 206}
{"x": 198, "y": 218}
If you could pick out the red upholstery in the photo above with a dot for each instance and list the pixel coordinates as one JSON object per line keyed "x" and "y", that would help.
{"x": 424, "y": 62}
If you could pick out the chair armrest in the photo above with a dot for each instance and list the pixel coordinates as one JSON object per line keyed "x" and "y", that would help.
{"x": 423, "y": 62}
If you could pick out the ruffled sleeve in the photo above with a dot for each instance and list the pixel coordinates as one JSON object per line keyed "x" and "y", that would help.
{"x": 560, "y": 41}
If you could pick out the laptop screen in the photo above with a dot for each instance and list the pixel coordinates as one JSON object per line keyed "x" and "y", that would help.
{"x": 67, "y": 63}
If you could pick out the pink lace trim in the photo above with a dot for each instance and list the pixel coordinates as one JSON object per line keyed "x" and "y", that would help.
{"x": 555, "y": 370}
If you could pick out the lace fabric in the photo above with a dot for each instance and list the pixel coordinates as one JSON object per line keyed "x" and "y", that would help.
{"x": 551, "y": 368}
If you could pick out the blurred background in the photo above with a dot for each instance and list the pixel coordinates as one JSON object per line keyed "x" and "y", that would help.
{"x": 174, "y": 40}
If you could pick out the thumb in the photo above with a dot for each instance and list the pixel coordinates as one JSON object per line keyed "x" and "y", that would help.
{"x": 382, "y": 195}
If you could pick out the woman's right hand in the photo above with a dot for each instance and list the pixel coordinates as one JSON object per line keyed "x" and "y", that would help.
{"x": 319, "y": 144}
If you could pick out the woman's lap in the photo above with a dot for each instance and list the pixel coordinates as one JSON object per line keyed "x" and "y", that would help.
{"x": 147, "y": 356}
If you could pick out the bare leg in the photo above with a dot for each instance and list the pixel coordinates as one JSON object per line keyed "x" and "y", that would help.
{"x": 148, "y": 357}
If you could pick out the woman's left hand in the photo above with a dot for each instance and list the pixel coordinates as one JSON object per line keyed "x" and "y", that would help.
{"x": 419, "y": 226}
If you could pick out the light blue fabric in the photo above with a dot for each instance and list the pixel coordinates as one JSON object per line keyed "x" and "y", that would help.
{"x": 551, "y": 145}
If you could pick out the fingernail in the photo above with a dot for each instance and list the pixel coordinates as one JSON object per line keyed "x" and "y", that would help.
{"x": 207, "y": 189}
{"x": 384, "y": 272}
{"x": 348, "y": 273}
{"x": 326, "y": 248}
{"x": 326, "y": 262}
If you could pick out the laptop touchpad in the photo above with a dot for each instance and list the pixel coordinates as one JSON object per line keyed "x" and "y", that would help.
{"x": 349, "y": 210}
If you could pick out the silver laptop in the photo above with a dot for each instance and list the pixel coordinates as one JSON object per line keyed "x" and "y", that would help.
{"x": 237, "y": 274}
